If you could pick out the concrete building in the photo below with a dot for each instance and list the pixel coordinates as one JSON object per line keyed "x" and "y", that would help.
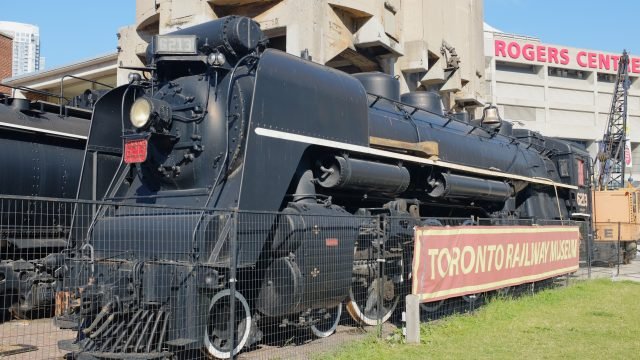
{"x": 558, "y": 90}
{"x": 99, "y": 70}
{"x": 435, "y": 45}
{"x": 6, "y": 59}
{"x": 26, "y": 47}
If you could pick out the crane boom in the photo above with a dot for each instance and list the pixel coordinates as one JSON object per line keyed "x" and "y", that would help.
{"x": 611, "y": 158}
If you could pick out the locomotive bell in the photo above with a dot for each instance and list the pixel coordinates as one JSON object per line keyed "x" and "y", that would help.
{"x": 490, "y": 116}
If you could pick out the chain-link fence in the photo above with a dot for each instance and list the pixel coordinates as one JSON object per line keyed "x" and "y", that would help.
{"x": 112, "y": 280}
{"x": 614, "y": 251}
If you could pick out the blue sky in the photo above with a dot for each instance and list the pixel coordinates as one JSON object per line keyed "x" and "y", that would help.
{"x": 593, "y": 24}
{"x": 73, "y": 30}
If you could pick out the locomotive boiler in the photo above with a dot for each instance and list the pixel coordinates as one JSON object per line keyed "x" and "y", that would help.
{"x": 240, "y": 131}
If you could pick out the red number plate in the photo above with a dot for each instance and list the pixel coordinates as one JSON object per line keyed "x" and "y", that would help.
{"x": 135, "y": 151}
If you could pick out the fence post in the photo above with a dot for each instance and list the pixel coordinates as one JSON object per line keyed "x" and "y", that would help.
{"x": 412, "y": 319}
{"x": 618, "y": 252}
{"x": 589, "y": 250}
{"x": 232, "y": 280}
{"x": 381, "y": 261}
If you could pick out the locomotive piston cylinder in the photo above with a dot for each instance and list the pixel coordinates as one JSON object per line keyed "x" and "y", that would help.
{"x": 342, "y": 172}
{"x": 467, "y": 187}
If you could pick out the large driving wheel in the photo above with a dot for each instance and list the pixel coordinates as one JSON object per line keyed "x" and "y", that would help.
{"x": 328, "y": 322}
{"x": 217, "y": 337}
{"x": 432, "y": 307}
{"x": 367, "y": 307}
{"x": 472, "y": 298}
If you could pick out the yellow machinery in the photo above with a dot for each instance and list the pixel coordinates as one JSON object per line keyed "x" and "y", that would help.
{"x": 616, "y": 216}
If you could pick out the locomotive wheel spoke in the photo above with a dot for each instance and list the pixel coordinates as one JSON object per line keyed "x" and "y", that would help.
{"x": 329, "y": 323}
{"x": 367, "y": 307}
{"x": 503, "y": 292}
{"x": 471, "y": 298}
{"x": 372, "y": 300}
{"x": 217, "y": 337}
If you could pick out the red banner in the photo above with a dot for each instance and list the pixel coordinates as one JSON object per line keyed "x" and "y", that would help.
{"x": 455, "y": 261}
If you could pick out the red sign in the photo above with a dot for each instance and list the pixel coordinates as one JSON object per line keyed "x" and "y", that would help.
{"x": 556, "y": 55}
{"x": 331, "y": 242}
{"x": 135, "y": 151}
{"x": 628, "y": 162}
{"x": 456, "y": 261}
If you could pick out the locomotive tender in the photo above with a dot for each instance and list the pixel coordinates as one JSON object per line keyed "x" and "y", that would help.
{"x": 41, "y": 150}
{"x": 244, "y": 131}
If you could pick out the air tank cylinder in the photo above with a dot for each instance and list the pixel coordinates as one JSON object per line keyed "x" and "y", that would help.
{"x": 467, "y": 187}
{"x": 341, "y": 172}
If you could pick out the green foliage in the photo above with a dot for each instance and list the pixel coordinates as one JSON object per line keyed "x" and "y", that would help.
{"x": 591, "y": 319}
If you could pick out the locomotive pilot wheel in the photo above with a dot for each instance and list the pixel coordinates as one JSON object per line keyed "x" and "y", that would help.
{"x": 328, "y": 323}
{"x": 365, "y": 305}
{"x": 217, "y": 336}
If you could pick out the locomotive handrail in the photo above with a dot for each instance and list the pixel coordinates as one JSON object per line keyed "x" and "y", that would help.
{"x": 388, "y": 154}
{"x": 223, "y": 164}
{"x": 555, "y": 188}
{"x": 77, "y": 78}
{"x": 446, "y": 116}
{"x": 32, "y": 90}
{"x": 416, "y": 109}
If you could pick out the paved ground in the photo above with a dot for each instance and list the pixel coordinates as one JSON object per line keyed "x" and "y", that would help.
{"x": 623, "y": 272}
{"x": 305, "y": 350}
{"x": 43, "y": 334}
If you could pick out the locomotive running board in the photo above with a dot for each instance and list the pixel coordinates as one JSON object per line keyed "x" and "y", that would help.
{"x": 43, "y": 131}
{"x": 414, "y": 159}
{"x": 428, "y": 149}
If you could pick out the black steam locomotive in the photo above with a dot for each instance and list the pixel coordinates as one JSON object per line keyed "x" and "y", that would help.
{"x": 228, "y": 125}
{"x": 41, "y": 150}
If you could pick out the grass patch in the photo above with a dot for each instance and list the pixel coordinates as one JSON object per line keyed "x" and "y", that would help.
{"x": 591, "y": 319}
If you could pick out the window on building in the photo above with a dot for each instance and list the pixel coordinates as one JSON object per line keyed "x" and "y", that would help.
{"x": 606, "y": 78}
{"x": 567, "y": 73}
{"x": 514, "y": 67}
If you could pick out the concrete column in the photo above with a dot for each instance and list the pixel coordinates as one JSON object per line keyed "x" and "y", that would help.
{"x": 412, "y": 317}
{"x": 547, "y": 112}
{"x": 494, "y": 82}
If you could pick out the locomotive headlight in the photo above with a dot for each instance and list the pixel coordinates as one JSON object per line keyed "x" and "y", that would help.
{"x": 216, "y": 59}
{"x": 134, "y": 77}
{"x": 141, "y": 112}
{"x": 147, "y": 111}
